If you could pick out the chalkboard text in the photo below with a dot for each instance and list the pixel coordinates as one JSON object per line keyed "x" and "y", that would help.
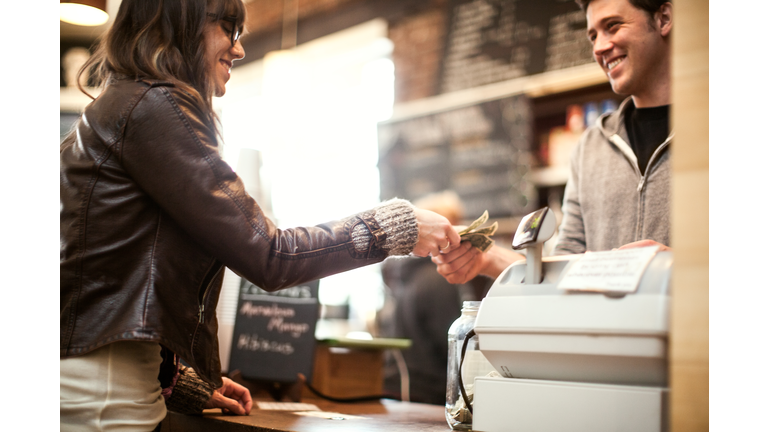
{"x": 253, "y": 343}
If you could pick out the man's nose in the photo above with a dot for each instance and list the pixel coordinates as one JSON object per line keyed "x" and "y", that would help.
{"x": 601, "y": 45}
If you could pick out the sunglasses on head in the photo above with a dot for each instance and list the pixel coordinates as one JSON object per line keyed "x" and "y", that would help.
{"x": 234, "y": 34}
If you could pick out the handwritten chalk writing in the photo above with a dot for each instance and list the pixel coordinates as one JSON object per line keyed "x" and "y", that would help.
{"x": 301, "y": 291}
{"x": 281, "y": 326}
{"x": 250, "y": 310}
{"x": 491, "y": 41}
{"x": 253, "y": 343}
{"x": 465, "y": 123}
{"x": 423, "y": 132}
{"x": 567, "y": 44}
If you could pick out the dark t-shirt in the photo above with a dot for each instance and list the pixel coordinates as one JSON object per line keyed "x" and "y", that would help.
{"x": 647, "y": 129}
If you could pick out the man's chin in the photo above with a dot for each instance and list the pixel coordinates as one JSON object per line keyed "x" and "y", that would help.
{"x": 618, "y": 88}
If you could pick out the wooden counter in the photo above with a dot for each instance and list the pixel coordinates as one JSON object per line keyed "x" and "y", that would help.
{"x": 383, "y": 415}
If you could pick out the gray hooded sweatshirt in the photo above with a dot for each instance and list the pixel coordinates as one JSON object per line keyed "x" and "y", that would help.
{"x": 608, "y": 202}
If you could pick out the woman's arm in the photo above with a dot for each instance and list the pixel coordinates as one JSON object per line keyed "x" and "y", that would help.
{"x": 169, "y": 150}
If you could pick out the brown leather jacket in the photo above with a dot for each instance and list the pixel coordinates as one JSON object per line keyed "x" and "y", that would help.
{"x": 150, "y": 215}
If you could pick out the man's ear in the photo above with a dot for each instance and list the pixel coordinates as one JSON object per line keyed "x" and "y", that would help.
{"x": 663, "y": 19}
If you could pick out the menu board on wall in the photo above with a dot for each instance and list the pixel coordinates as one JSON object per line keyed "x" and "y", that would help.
{"x": 274, "y": 335}
{"x": 481, "y": 151}
{"x": 490, "y": 41}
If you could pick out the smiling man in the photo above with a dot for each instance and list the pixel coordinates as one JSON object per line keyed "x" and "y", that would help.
{"x": 630, "y": 41}
{"x": 618, "y": 190}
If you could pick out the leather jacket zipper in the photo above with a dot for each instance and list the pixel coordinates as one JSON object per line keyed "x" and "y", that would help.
{"x": 210, "y": 276}
{"x": 208, "y": 281}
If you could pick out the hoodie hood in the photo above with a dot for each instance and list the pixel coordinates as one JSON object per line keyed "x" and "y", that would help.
{"x": 613, "y": 128}
{"x": 612, "y": 123}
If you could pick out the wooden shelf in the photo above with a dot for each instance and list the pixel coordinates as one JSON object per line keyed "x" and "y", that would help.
{"x": 533, "y": 86}
{"x": 549, "y": 176}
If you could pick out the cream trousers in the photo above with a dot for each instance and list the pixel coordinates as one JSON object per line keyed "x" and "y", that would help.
{"x": 114, "y": 388}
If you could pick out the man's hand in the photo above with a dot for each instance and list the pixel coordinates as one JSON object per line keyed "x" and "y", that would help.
{"x": 232, "y": 398}
{"x": 460, "y": 265}
{"x": 465, "y": 263}
{"x": 644, "y": 243}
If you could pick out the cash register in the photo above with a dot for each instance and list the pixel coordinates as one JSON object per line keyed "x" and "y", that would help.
{"x": 575, "y": 346}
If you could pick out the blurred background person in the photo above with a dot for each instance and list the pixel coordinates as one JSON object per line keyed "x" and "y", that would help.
{"x": 421, "y": 306}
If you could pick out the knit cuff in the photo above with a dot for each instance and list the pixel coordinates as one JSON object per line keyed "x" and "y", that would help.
{"x": 397, "y": 218}
{"x": 190, "y": 393}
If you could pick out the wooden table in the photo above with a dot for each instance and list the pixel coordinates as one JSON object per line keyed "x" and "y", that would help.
{"x": 383, "y": 415}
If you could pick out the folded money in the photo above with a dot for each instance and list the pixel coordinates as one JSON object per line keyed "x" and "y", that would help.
{"x": 479, "y": 237}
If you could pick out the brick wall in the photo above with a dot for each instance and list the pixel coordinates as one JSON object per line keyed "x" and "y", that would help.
{"x": 418, "y": 48}
{"x": 417, "y": 32}
{"x": 265, "y": 15}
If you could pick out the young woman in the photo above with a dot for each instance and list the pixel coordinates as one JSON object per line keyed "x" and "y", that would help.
{"x": 151, "y": 215}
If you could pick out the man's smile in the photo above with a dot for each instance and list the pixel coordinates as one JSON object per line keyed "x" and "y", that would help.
{"x": 613, "y": 63}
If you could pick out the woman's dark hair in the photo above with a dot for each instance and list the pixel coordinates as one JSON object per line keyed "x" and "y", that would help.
{"x": 162, "y": 39}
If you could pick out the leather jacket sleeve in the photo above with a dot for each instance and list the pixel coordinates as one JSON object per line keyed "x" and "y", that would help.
{"x": 170, "y": 151}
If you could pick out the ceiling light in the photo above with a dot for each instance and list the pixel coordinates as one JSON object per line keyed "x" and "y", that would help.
{"x": 83, "y": 12}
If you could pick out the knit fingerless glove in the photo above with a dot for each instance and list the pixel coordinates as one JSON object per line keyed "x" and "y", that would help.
{"x": 397, "y": 217}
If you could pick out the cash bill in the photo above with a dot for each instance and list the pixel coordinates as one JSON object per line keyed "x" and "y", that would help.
{"x": 489, "y": 231}
{"x": 479, "y": 241}
{"x": 479, "y": 237}
{"x": 479, "y": 221}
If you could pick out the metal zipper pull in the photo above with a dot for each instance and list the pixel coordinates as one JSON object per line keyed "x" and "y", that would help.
{"x": 642, "y": 182}
{"x": 200, "y": 315}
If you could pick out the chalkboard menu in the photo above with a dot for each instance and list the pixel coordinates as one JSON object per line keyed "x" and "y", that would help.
{"x": 490, "y": 41}
{"x": 482, "y": 152}
{"x": 274, "y": 335}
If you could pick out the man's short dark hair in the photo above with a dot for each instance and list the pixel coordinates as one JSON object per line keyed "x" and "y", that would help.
{"x": 649, "y": 6}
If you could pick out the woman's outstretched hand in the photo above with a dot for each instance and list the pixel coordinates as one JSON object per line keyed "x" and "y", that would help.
{"x": 232, "y": 398}
{"x": 435, "y": 234}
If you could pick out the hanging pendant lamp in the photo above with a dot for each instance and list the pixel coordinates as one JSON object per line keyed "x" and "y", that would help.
{"x": 83, "y": 12}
